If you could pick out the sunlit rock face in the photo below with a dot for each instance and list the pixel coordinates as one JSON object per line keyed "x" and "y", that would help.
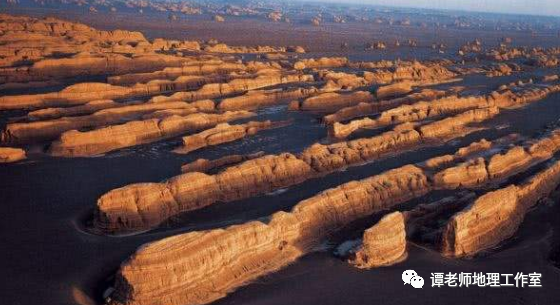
{"x": 383, "y": 244}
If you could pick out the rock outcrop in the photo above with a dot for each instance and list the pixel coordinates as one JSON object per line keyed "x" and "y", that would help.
{"x": 321, "y": 63}
{"x": 55, "y": 113}
{"x": 334, "y": 101}
{"x": 123, "y": 210}
{"x": 10, "y": 155}
{"x": 205, "y": 165}
{"x": 224, "y": 133}
{"x": 506, "y": 98}
{"x": 235, "y": 86}
{"x": 383, "y": 244}
{"x": 80, "y": 144}
{"x": 496, "y": 216}
{"x": 188, "y": 268}
{"x": 257, "y": 99}
{"x": 38, "y": 131}
{"x": 254, "y": 249}
{"x": 364, "y": 109}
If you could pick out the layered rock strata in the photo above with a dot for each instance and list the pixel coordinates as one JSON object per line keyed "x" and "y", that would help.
{"x": 261, "y": 175}
{"x": 83, "y": 93}
{"x": 224, "y": 133}
{"x": 188, "y": 268}
{"x": 506, "y": 98}
{"x": 29, "y": 132}
{"x": 383, "y": 244}
{"x": 496, "y": 216}
{"x": 172, "y": 268}
{"x": 363, "y": 109}
{"x": 80, "y": 144}
{"x": 334, "y": 101}
{"x": 257, "y": 99}
{"x": 205, "y": 165}
{"x": 236, "y": 86}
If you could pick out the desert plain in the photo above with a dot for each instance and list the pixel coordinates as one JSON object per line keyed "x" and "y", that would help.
{"x": 263, "y": 152}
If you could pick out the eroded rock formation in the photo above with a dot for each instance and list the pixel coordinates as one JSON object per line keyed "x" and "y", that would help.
{"x": 10, "y": 155}
{"x": 261, "y": 175}
{"x": 383, "y": 244}
{"x": 205, "y": 165}
{"x": 28, "y": 132}
{"x": 496, "y": 216}
{"x": 224, "y": 133}
{"x": 79, "y": 144}
{"x": 173, "y": 270}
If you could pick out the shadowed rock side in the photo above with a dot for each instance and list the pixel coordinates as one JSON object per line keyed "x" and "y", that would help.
{"x": 423, "y": 222}
{"x": 188, "y": 268}
{"x": 112, "y": 113}
{"x": 224, "y": 133}
{"x": 134, "y": 208}
{"x": 80, "y": 144}
{"x": 10, "y": 155}
{"x": 496, "y": 216}
{"x": 383, "y": 244}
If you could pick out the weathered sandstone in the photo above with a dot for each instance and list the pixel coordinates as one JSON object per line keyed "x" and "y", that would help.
{"x": 205, "y": 165}
{"x": 121, "y": 210}
{"x": 324, "y": 62}
{"x": 224, "y": 133}
{"x": 383, "y": 244}
{"x": 173, "y": 270}
{"x": 496, "y": 216}
{"x": 235, "y": 86}
{"x": 28, "y": 132}
{"x": 334, "y": 101}
{"x": 10, "y": 155}
{"x": 79, "y": 144}
{"x": 257, "y": 99}
{"x": 258, "y": 248}
{"x": 363, "y": 109}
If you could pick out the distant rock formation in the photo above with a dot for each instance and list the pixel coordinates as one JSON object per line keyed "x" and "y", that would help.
{"x": 323, "y": 62}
